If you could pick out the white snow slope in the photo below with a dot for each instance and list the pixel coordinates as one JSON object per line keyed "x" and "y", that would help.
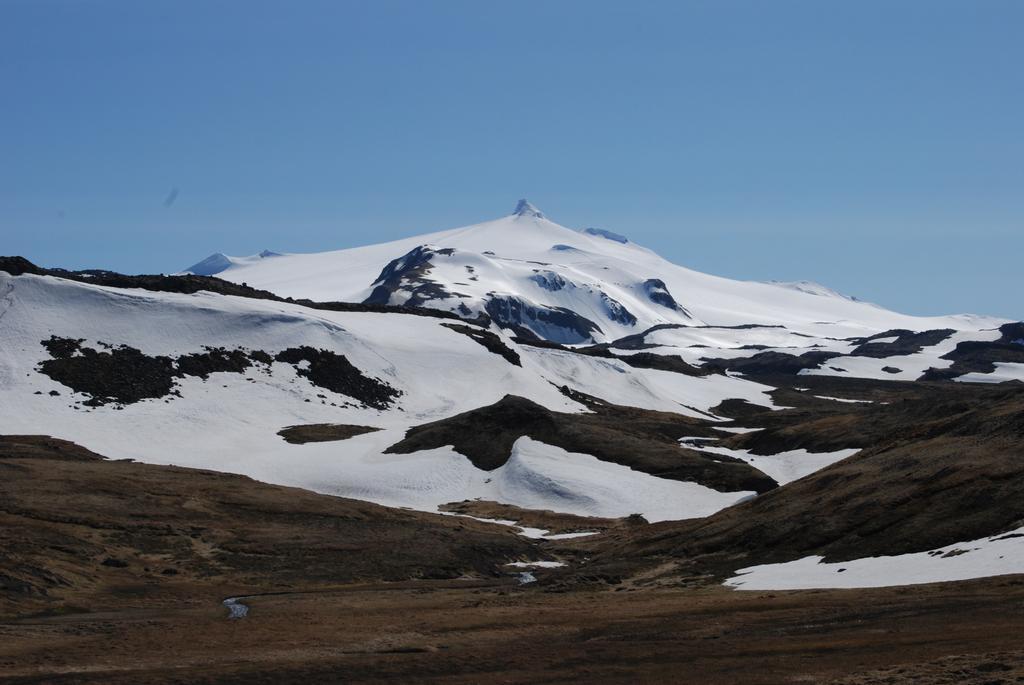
{"x": 528, "y": 268}
{"x": 993, "y": 556}
{"x": 230, "y": 421}
{"x": 514, "y": 254}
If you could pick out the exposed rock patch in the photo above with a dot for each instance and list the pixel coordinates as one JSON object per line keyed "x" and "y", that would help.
{"x": 489, "y": 340}
{"x": 529, "y": 320}
{"x": 658, "y": 293}
{"x": 125, "y": 375}
{"x": 408, "y": 275}
{"x": 640, "y": 439}
{"x": 218, "y": 359}
{"x": 322, "y": 432}
{"x": 772, "y": 362}
{"x": 639, "y": 360}
{"x": 336, "y": 373}
{"x": 907, "y": 342}
{"x": 548, "y": 280}
{"x": 942, "y": 466}
{"x": 189, "y": 284}
{"x": 552, "y": 521}
{"x": 616, "y": 311}
{"x": 977, "y": 356}
{"x": 122, "y": 374}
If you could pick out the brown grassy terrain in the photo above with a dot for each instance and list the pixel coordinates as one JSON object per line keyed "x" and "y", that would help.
{"x": 79, "y": 533}
{"x": 552, "y": 521}
{"x": 939, "y": 465}
{"x": 435, "y": 633}
{"x": 114, "y": 572}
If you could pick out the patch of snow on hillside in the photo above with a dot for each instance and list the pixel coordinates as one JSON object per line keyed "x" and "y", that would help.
{"x": 911, "y": 366}
{"x": 992, "y": 556}
{"x": 1004, "y": 371}
{"x": 540, "y": 476}
{"x": 783, "y": 467}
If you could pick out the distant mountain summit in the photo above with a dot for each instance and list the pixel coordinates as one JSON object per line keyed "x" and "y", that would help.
{"x": 219, "y": 262}
{"x": 543, "y": 281}
{"x": 524, "y": 208}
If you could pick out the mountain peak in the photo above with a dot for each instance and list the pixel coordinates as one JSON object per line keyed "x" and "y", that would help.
{"x": 214, "y": 264}
{"x": 524, "y": 208}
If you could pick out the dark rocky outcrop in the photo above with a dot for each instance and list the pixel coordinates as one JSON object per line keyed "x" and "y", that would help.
{"x": 616, "y": 311}
{"x": 120, "y": 375}
{"x": 489, "y": 340}
{"x": 637, "y": 341}
{"x": 639, "y": 360}
{"x": 664, "y": 362}
{"x": 771, "y": 362}
{"x": 124, "y": 375}
{"x": 548, "y": 280}
{"x": 658, "y": 293}
{"x": 606, "y": 234}
{"x": 322, "y": 432}
{"x": 944, "y": 464}
{"x": 334, "y": 372}
{"x": 218, "y": 359}
{"x": 979, "y": 356}
{"x": 408, "y": 274}
{"x": 529, "y": 320}
{"x": 189, "y": 284}
{"x": 641, "y": 439}
{"x": 907, "y": 342}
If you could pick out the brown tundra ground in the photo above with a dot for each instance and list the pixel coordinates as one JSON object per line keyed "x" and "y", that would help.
{"x": 115, "y": 572}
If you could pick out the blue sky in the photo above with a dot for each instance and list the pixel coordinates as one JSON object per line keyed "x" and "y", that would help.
{"x": 875, "y": 147}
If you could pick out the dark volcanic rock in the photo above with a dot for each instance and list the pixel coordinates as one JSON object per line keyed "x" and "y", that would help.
{"x": 62, "y": 348}
{"x": 548, "y": 280}
{"x": 639, "y": 360}
{"x": 16, "y": 266}
{"x": 189, "y": 284}
{"x": 202, "y": 364}
{"x": 658, "y": 293}
{"x": 322, "y": 432}
{"x": 489, "y": 340}
{"x": 664, "y": 362}
{"x": 946, "y": 466}
{"x": 121, "y": 374}
{"x": 772, "y": 362}
{"x": 641, "y": 439}
{"x": 637, "y": 341}
{"x": 336, "y": 373}
{"x": 616, "y": 311}
{"x": 907, "y": 342}
{"x": 978, "y": 356}
{"x": 646, "y": 360}
{"x": 529, "y": 320}
{"x": 408, "y": 274}
{"x": 125, "y": 375}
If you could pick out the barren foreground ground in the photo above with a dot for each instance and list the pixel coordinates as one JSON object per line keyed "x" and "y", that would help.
{"x": 114, "y": 572}
{"x": 433, "y": 631}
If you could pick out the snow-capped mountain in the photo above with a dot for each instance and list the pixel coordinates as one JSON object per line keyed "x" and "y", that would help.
{"x": 207, "y": 380}
{"x": 220, "y": 262}
{"x": 539, "y": 279}
{"x": 515, "y": 361}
